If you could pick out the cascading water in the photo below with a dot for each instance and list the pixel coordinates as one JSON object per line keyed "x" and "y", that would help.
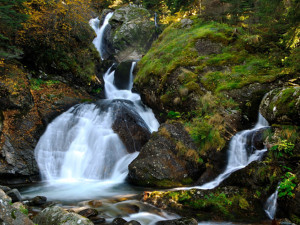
{"x": 80, "y": 144}
{"x": 271, "y": 205}
{"x": 238, "y": 155}
{"x": 99, "y": 40}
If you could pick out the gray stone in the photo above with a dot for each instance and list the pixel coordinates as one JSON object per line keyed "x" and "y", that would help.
{"x": 10, "y": 214}
{"x": 15, "y": 195}
{"x": 56, "y": 215}
{"x": 132, "y": 33}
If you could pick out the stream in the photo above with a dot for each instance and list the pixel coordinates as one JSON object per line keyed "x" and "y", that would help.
{"x": 81, "y": 158}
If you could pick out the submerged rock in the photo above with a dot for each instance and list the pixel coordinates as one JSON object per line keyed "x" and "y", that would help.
{"x": 167, "y": 160}
{"x": 56, "y": 215}
{"x": 282, "y": 106}
{"x": 118, "y": 221}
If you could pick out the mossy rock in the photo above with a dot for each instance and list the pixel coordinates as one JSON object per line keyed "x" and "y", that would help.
{"x": 282, "y": 106}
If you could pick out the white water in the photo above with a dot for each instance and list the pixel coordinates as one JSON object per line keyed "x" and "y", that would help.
{"x": 98, "y": 41}
{"x": 238, "y": 157}
{"x": 271, "y": 205}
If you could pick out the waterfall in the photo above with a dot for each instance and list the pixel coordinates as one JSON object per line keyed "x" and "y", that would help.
{"x": 80, "y": 143}
{"x": 271, "y": 205}
{"x": 99, "y": 40}
{"x": 238, "y": 154}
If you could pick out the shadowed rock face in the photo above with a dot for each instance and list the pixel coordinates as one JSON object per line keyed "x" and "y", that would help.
{"x": 166, "y": 160}
{"x": 130, "y": 127}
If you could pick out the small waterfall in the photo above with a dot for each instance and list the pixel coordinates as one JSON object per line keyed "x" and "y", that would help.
{"x": 238, "y": 154}
{"x": 271, "y": 205}
{"x": 99, "y": 40}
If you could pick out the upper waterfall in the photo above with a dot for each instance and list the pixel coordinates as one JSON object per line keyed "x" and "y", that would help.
{"x": 99, "y": 40}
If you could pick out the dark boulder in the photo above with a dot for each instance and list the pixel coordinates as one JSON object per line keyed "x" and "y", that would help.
{"x": 118, "y": 221}
{"x": 169, "y": 159}
{"x": 38, "y": 201}
{"x": 15, "y": 195}
{"x": 122, "y": 75}
{"x": 88, "y": 213}
{"x": 130, "y": 127}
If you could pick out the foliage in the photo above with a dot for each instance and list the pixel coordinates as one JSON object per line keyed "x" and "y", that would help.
{"x": 287, "y": 185}
{"x": 283, "y": 148}
{"x": 173, "y": 115}
{"x": 57, "y": 37}
{"x": 11, "y": 20}
{"x": 23, "y": 210}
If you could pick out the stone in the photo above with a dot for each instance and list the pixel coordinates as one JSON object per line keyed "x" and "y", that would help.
{"x": 11, "y": 214}
{"x": 207, "y": 47}
{"x": 15, "y": 195}
{"x": 122, "y": 75}
{"x": 88, "y": 212}
{"x": 56, "y": 215}
{"x": 130, "y": 127}
{"x": 118, "y": 221}
{"x": 5, "y": 188}
{"x": 95, "y": 203}
{"x": 282, "y": 106}
{"x": 132, "y": 222}
{"x": 132, "y": 33}
{"x": 3, "y": 196}
{"x": 181, "y": 221}
{"x": 186, "y": 23}
{"x": 38, "y": 201}
{"x": 163, "y": 162}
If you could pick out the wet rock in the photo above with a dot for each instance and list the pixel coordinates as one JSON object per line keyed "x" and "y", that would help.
{"x": 128, "y": 208}
{"x": 130, "y": 127}
{"x": 282, "y": 106}
{"x": 132, "y": 32}
{"x": 97, "y": 220}
{"x": 132, "y": 222}
{"x": 95, "y": 203}
{"x": 181, "y": 221}
{"x": 88, "y": 213}
{"x": 5, "y": 188}
{"x": 38, "y": 201}
{"x": 163, "y": 162}
{"x": 122, "y": 78}
{"x": 118, "y": 221}
{"x": 10, "y": 214}
{"x": 15, "y": 195}
{"x": 56, "y": 215}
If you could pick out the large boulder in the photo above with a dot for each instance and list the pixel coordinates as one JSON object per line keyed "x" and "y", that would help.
{"x": 132, "y": 32}
{"x": 129, "y": 125}
{"x": 169, "y": 159}
{"x": 282, "y": 106}
{"x": 11, "y": 214}
{"x": 56, "y": 215}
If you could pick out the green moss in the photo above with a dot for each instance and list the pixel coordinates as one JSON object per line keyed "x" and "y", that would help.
{"x": 176, "y": 47}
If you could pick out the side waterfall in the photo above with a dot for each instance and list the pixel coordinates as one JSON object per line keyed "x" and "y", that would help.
{"x": 238, "y": 155}
{"x": 271, "y": 205}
